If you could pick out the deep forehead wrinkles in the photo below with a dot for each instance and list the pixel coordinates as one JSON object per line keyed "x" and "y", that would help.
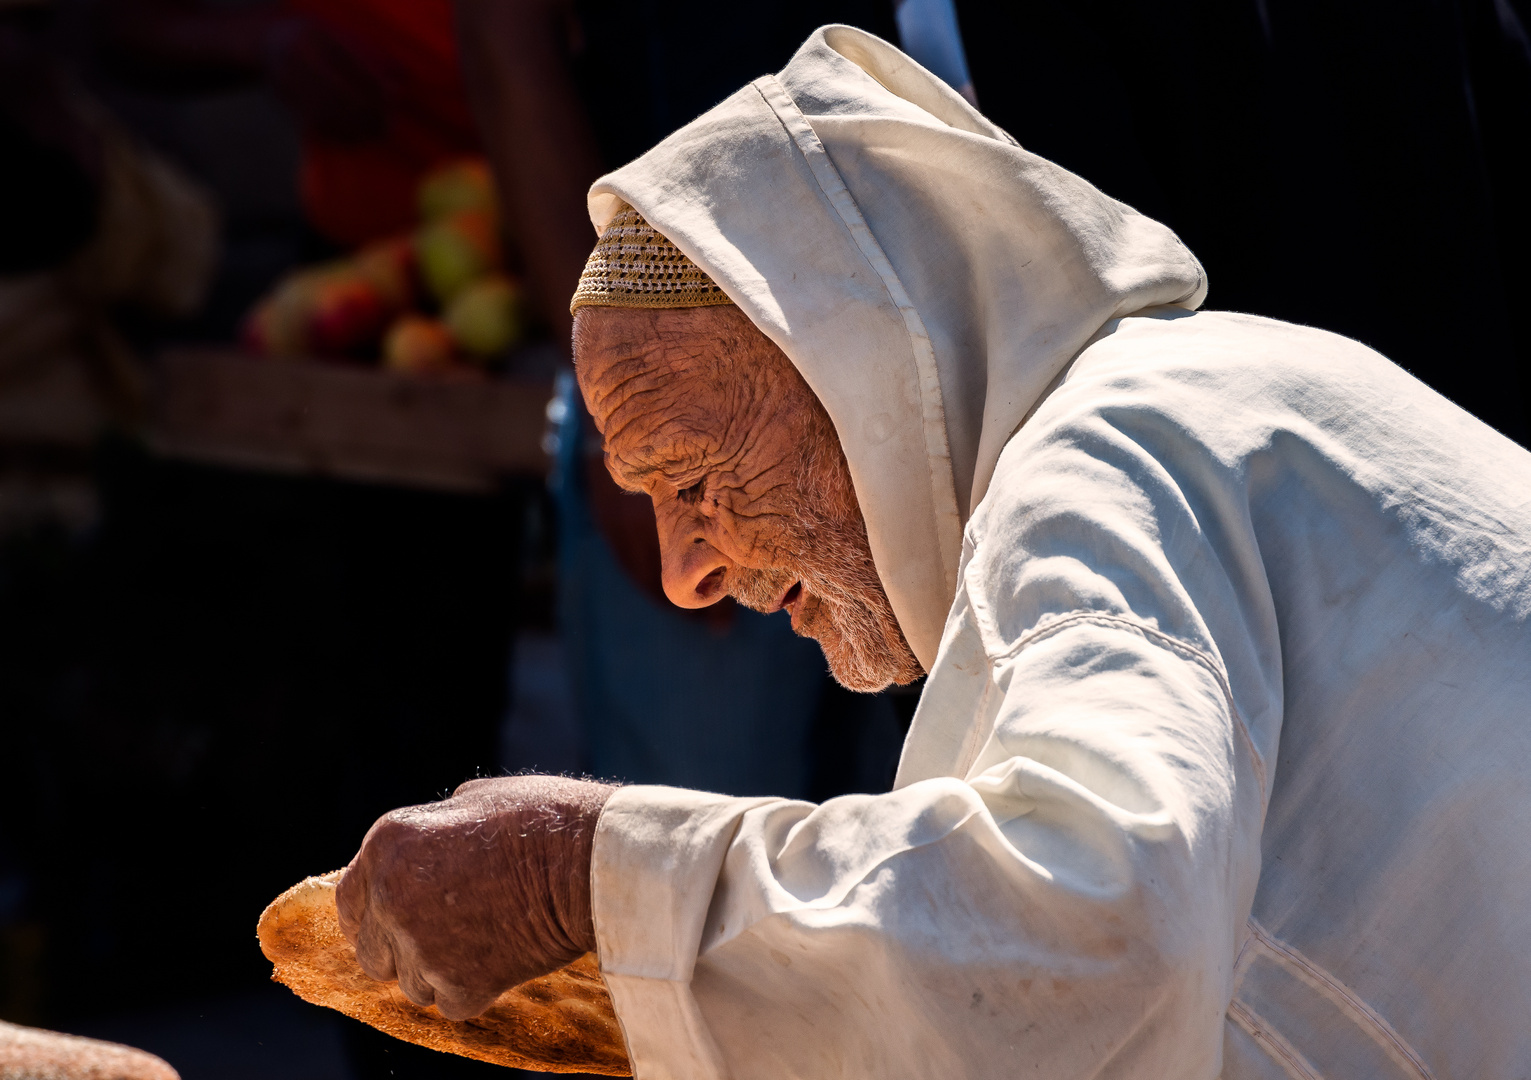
{"x": 614, "y": 366}
{"x": 677, "y": 430}
{"x": 650, "y": 418}
{"x": 670, "y": 402}
{"x": 715, "y": 407}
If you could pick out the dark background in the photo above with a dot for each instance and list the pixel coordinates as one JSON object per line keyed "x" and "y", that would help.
{"x": 1358, "y": 165}
{"x": 210, "y": 689}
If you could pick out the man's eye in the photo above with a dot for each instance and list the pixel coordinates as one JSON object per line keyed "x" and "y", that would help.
{"x": 693, "y": 493}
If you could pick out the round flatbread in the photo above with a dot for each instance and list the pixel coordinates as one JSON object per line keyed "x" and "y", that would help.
{"x": 33, "y": 1054}
{"x": 562, "y": 1022}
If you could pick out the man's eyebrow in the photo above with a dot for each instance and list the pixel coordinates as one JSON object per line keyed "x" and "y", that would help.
{"x": 629, "y": 478}
{"x": 632, "y": 475}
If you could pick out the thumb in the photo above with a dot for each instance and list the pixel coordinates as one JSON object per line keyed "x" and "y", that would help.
{"x": 351, "y": 900}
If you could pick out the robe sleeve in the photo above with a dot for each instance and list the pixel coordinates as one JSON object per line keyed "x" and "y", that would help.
{"x": 1059, "y": 883}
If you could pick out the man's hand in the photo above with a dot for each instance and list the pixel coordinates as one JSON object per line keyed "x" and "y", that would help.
{"x": 463, "y": 899}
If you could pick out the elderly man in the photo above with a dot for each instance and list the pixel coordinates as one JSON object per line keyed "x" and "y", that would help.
{"x": 1222, "y": 763}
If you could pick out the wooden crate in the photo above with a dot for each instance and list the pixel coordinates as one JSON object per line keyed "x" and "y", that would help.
{"x": 465, "y": 432}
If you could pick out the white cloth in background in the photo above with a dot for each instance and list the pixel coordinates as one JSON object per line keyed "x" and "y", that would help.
{"x": 1222, "y": 764}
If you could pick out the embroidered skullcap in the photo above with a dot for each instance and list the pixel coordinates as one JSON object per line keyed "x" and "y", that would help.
{"x": 634, "y": 265}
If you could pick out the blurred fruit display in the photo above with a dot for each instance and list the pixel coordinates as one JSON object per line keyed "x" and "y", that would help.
{"x": 435, "y": 301}
{"x": 460, "y": 185}
{"x": 454, "y": 251}
{"x": 417, "y": 344}
{"x": 485, "y": 318}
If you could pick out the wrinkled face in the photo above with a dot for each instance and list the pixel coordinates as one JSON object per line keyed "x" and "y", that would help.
{"x": 704, "y": 414}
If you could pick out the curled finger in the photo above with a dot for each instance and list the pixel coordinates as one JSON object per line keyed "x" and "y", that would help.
{"x": 460, "y": 1003}
{"x": 374, "y": 951}
{"x": 415, "y": 985}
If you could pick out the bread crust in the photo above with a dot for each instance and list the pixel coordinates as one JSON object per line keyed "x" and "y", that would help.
{"x": 34, "y": 1054}
{"x": 562, "y": 1022}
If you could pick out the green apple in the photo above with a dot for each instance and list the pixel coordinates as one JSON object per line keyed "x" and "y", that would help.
{"x": 455, "y": 251}
{"x": 459, "y": 185}
{"x": 486, "y": 317}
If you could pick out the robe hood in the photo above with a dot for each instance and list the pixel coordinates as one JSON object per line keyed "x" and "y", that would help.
{"x": 927, "y": 276}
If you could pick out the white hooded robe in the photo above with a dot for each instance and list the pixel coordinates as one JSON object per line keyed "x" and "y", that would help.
{"x": 1223, "y": 766}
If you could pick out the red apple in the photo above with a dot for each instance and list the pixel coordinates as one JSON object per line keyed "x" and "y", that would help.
{"x": 390, "y": 266}
{"x": 349, "y": 313}
{"x": 418, "y": 345}
{"x": 279, "y": 325}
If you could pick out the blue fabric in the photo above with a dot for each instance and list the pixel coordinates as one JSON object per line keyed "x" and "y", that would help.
{"x": 927, "y": 29}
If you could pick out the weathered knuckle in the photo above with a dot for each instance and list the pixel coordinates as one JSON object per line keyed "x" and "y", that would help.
{"x": 395, "y": 832}
{"x": 351, "y": 903}
{"x": 463, "y": 1003}
{"x": 374, "y": 953}
{"x": 416, "y": 987}
{"x": 395, "y": 822}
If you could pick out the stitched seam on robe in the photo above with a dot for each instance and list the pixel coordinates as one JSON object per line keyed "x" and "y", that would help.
{"x": 1272, "y": 1042}
{"x": 1360, "y": 1013}
{"x": 977, "y": 733}
{"x": 933, "y": 409}
{"x": 1175, "y": 645}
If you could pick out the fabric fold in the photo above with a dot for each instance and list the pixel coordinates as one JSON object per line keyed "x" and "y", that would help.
{"x": 654, "y": 866}
{"x": 929, "y": 326}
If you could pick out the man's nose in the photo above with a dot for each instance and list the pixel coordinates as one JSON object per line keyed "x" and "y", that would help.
{"x": 693, "y": 570}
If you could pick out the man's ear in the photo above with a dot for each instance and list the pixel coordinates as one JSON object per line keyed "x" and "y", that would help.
{"x": 582, "y": 342}
{"x": 579, "y": 338}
